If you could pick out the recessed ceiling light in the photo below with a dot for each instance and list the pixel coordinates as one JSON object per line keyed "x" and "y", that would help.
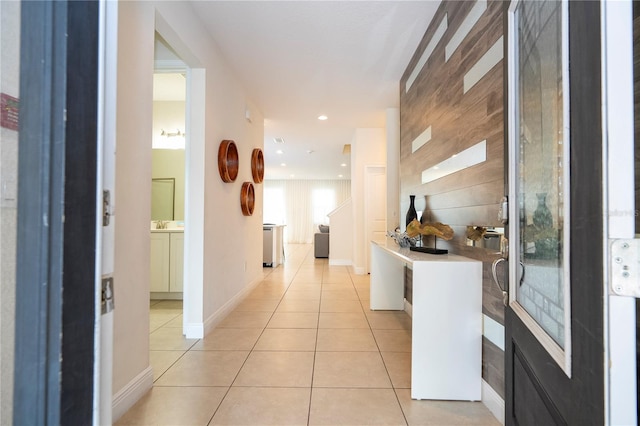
{"x": 279, "y": 151}
{"x": 322, "y": 117}
{"x": 292, "y": 175}
{"x": 343, "y": 165}
{"x": 339, "y": 175}
{"x": 310, "y": 151}
{"x": 283, "y": 164}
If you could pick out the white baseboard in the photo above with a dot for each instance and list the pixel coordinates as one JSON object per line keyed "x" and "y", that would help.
{"x": 493, "y": 401}
{"x": 126, "y": 397}
{"x": 194, "y": 330}
{"x": 215, "y": 318}
{"x": 408, "y": 308}
{"x": 339, "y": 262}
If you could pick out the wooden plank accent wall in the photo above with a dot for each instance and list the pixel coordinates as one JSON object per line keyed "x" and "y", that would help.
{"x": 458, "y": 121}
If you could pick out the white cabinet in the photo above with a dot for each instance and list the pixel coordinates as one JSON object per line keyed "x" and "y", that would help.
{"x": 446, "y": 334}
{"x": 167, "y": 263}
{"x": 272, "y": 248}
{"x": 159, "y": 262}
{"x": 176, "y": 261}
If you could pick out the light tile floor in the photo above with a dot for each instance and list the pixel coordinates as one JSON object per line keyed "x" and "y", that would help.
{"x": 302, "y": 349}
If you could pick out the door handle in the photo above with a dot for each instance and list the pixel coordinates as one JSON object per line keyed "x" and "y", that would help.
{"x": 494, "y": 273}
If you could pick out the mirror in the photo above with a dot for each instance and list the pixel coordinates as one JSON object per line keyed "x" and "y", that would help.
{"x": 163, "y": 192}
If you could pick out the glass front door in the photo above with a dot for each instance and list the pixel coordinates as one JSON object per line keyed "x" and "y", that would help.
{"x": 539, "y": 146}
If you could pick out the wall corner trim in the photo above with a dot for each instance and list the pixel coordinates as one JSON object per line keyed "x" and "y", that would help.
{"x": 358, "y": 270}
{"x": 126, "y": 397}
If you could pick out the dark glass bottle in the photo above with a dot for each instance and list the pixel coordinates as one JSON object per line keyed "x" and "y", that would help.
{"x": 411, "y": 213}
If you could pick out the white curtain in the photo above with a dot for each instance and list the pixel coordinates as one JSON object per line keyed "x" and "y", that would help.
{"x": 302, "y": 205}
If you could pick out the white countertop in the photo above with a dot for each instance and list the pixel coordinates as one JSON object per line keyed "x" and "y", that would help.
{"x": 168, "y": 230}
{"x": 172, "y": 226}
{"x": 408, "y": 256}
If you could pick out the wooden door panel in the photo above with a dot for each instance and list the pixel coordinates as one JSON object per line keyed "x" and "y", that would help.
{"x": 531, "y": 405}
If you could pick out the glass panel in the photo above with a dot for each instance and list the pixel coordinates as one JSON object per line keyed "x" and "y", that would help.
{"x": 540, "y": 165}
{"x": 9, "y": 106}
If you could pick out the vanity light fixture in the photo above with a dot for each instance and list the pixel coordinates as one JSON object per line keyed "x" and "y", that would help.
{"x": 322, "y": 117}
{"x": 172, "y": 134}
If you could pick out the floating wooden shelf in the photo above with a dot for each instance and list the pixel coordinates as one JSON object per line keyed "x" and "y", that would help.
{"x": 247, "y": 198}
{"x": 257, "y": 165}
{"x": 228, "y": 160}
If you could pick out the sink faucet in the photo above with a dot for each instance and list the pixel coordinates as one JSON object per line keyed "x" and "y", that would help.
{"x": 161, "y": 224}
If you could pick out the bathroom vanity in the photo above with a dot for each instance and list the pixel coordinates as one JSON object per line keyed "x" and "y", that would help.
{"x": 167, "y": 262}
{"x": 446, "y": 335}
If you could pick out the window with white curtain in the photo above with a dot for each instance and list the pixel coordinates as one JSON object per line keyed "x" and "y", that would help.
{"x": 302, "y": 205}
{"x": 324, "y": 201}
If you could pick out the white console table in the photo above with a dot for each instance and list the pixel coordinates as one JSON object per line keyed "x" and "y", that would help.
{"x": 446, "y": 335}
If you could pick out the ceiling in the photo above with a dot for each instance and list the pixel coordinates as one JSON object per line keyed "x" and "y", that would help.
{"x": 302, "y": 59}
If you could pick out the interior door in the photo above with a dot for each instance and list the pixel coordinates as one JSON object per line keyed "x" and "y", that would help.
{"x": 105, "y": 194}
{"x": 375, "y": 203}
{"x": 554, "y": 366}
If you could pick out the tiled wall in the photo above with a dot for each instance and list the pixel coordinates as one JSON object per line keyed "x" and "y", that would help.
{"x": 451, "y": 99}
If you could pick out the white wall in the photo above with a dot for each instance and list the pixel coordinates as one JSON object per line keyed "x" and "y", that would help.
{"x": 170, "y": 117}
{"x": 392, "y": 127}
{"x": 341, "y": 234}
{"x": 229, "y": 240}
{"x": 367, "y": 148}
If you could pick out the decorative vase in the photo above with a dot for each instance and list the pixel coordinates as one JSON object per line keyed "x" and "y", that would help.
{"x": 542, "y": 216}
{"x": 411, "y": 213}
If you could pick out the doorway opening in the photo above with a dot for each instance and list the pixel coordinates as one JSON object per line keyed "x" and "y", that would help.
{"x": 168, "y": 189}
{"x": 168, "y": 182}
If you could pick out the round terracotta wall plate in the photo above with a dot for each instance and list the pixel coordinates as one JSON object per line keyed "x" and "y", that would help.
{"x": 228, "y": 160}
{"x": 257, "y": 165}
{"x": 247, "y": 198}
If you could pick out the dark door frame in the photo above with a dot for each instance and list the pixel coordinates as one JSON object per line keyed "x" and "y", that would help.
{"x": 56, "y": 236}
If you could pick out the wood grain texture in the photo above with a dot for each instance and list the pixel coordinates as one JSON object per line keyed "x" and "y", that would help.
{"x": 458, "y": 121}
{"x": 228, "y": 161}
{"x": 492, "y": 357}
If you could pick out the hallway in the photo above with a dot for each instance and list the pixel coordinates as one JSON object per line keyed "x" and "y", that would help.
{"x": 303, "y": 348}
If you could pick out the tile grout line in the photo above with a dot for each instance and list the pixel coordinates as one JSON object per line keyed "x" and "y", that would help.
{"x": 315, "y": 349}
{"x": 386, "y": 369}
{"x": 256, "y": 342}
